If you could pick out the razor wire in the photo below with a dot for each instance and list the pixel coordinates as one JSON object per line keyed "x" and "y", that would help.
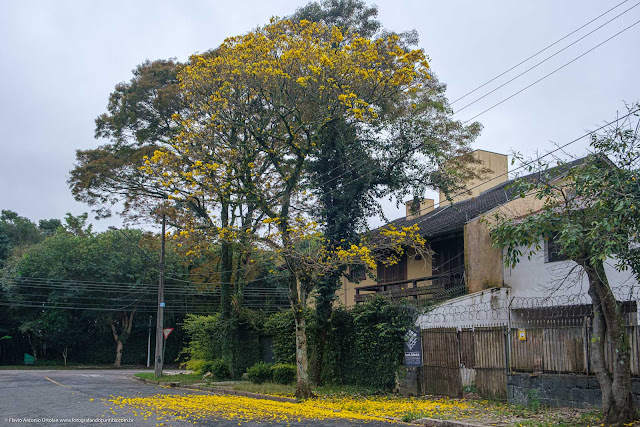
{"x": 500, "y": 307}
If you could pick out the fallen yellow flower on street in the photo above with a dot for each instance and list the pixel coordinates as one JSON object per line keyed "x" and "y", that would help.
{"x": 228, "y": 407}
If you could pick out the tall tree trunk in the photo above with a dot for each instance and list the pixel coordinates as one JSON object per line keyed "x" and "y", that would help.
{"x": 608, "y": 322}
{"x": 120, "y": 338}
{"x": 119, "y": 348}
{"x": 303, "y": 385}
{"x": 297, "y": 297}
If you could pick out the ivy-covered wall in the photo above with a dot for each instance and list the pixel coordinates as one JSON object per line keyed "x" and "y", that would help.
{"x": 364, "y": 344}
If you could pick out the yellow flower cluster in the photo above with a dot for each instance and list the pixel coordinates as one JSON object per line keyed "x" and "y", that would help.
{"x": 194, "y": 407}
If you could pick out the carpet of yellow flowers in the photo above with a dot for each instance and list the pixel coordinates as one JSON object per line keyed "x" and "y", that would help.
{"x": 200, "y": 407}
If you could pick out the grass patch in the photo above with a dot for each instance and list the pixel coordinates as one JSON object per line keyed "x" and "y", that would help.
{"x": 288, "y": 390}
{"x": 178, "y": 378}
{"x": 273, "y": 389}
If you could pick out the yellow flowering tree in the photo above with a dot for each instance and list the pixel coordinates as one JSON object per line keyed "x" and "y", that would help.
{"x": 260, "y": 100}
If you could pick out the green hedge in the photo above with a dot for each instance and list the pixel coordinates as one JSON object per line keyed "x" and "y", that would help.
{"x": 281, "y": 326}
{"x": 283, "y": 373}
{"x": 235, "y": 340}
{"x": 364, "y": 345}
{"x": 260, "y": 373}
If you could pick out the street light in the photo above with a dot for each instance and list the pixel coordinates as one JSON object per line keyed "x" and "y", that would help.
{"x": 157, "y": 368}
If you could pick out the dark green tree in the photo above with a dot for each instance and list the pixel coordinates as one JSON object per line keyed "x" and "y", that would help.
{"x": 348, "y": 173}
{"x": 97, "y": 279}
{"x": 15, "y": 232}
{"x": 138, "y": 121}
{"x": 48, "y": 227}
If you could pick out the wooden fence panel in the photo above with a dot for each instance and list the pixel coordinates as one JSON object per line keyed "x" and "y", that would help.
{"x": 441, "y": 362}
{"x": 633, "y": 335}
{"x": 526, "y": 355}
{"x": 564, "y": 349}
{"x": 467, "y": 357}
{"x": 491, "y": 363}
{"x": 467, "y": 348}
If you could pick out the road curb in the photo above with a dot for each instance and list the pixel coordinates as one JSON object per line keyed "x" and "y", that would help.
{"x": 433, "y": 422}
{"x": 216, "y": 390}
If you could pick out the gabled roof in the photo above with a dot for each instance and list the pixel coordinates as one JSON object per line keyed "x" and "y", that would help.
{"x": 451, "y": 218}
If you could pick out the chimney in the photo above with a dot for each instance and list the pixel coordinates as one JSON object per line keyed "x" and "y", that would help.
{"x": 414, "y": 210}
{"x": 498, "y": 165}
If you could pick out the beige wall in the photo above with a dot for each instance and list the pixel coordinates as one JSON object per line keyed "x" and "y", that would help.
{"x": 484, "y": 267}
{"x": 482, "y": 262}
{"x": 499, "y": 166}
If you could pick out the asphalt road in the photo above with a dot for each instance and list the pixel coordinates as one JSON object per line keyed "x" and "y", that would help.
{"x": 47, "y": 397}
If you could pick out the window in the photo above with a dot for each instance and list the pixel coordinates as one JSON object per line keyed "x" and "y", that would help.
{"x": 393, "y": 273}
{"x": 357, "y": 273}
{"x": 553, "y": 251}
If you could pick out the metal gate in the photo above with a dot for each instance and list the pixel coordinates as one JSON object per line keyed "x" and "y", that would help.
{"x": 453, "y": 358}
{"x": 491, "y": 362}
{"x": 441, "y": 362}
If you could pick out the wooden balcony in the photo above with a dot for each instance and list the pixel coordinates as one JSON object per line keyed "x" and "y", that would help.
{"x": 438, "y": 287}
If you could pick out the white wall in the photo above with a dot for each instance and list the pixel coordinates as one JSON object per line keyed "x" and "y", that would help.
{"x": 485, "y": 308}
{"x": 564, "y": 279}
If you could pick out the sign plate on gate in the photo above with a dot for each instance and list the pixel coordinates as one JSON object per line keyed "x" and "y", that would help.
{"x": 522, "y": 334}
{"x": 413, "y": 348}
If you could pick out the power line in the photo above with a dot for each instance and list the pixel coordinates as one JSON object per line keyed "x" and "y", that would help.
{"x": 172, "y": 291}
{"x": 553, "y": 72}
{"x": 545, "y": 60}
{"x": 38, "y": 305}
{"x": 539, "y": 52}
{"x": 532, "y": 56}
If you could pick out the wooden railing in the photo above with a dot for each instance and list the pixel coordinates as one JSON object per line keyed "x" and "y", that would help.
{"x": 418, "y": 288}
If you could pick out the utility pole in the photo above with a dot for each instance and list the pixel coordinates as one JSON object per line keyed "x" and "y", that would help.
{"x": 157, "y": 370}
{"x": 149, "y": 344}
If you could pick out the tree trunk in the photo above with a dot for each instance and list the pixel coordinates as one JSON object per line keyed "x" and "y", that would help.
{"x": 297, "y": 297}
{"x": 127, "y": 324}
{"x": 303, "y": 386}
{"x": 119, "y": 347}
{"x": 617, "y": 400}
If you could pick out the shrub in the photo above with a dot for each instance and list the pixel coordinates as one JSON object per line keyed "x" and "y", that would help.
{"x": 196, "y": 365}
{"x": 283, "y": 373}
{"x": 259, "y": 373}
{"x": 235, "y": 340}
{"x": 379, "y": 327}
{"x": 219, "y": 368}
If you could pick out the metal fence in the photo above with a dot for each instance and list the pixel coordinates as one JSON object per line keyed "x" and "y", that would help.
{"x": 456, "y": 357}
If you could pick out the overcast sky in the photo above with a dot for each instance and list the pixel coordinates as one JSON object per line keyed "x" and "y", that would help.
{"x": 60, "y": 60}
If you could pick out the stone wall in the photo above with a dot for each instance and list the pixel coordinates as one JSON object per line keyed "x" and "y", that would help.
{"x": 409, "y": 381}
{"x": 577, "y": 391}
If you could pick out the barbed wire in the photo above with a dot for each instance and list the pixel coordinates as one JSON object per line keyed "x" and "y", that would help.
{"x": 499, "y": 306}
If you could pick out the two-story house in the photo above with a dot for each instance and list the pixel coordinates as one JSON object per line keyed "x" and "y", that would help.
{"x": 466, "y": 270}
